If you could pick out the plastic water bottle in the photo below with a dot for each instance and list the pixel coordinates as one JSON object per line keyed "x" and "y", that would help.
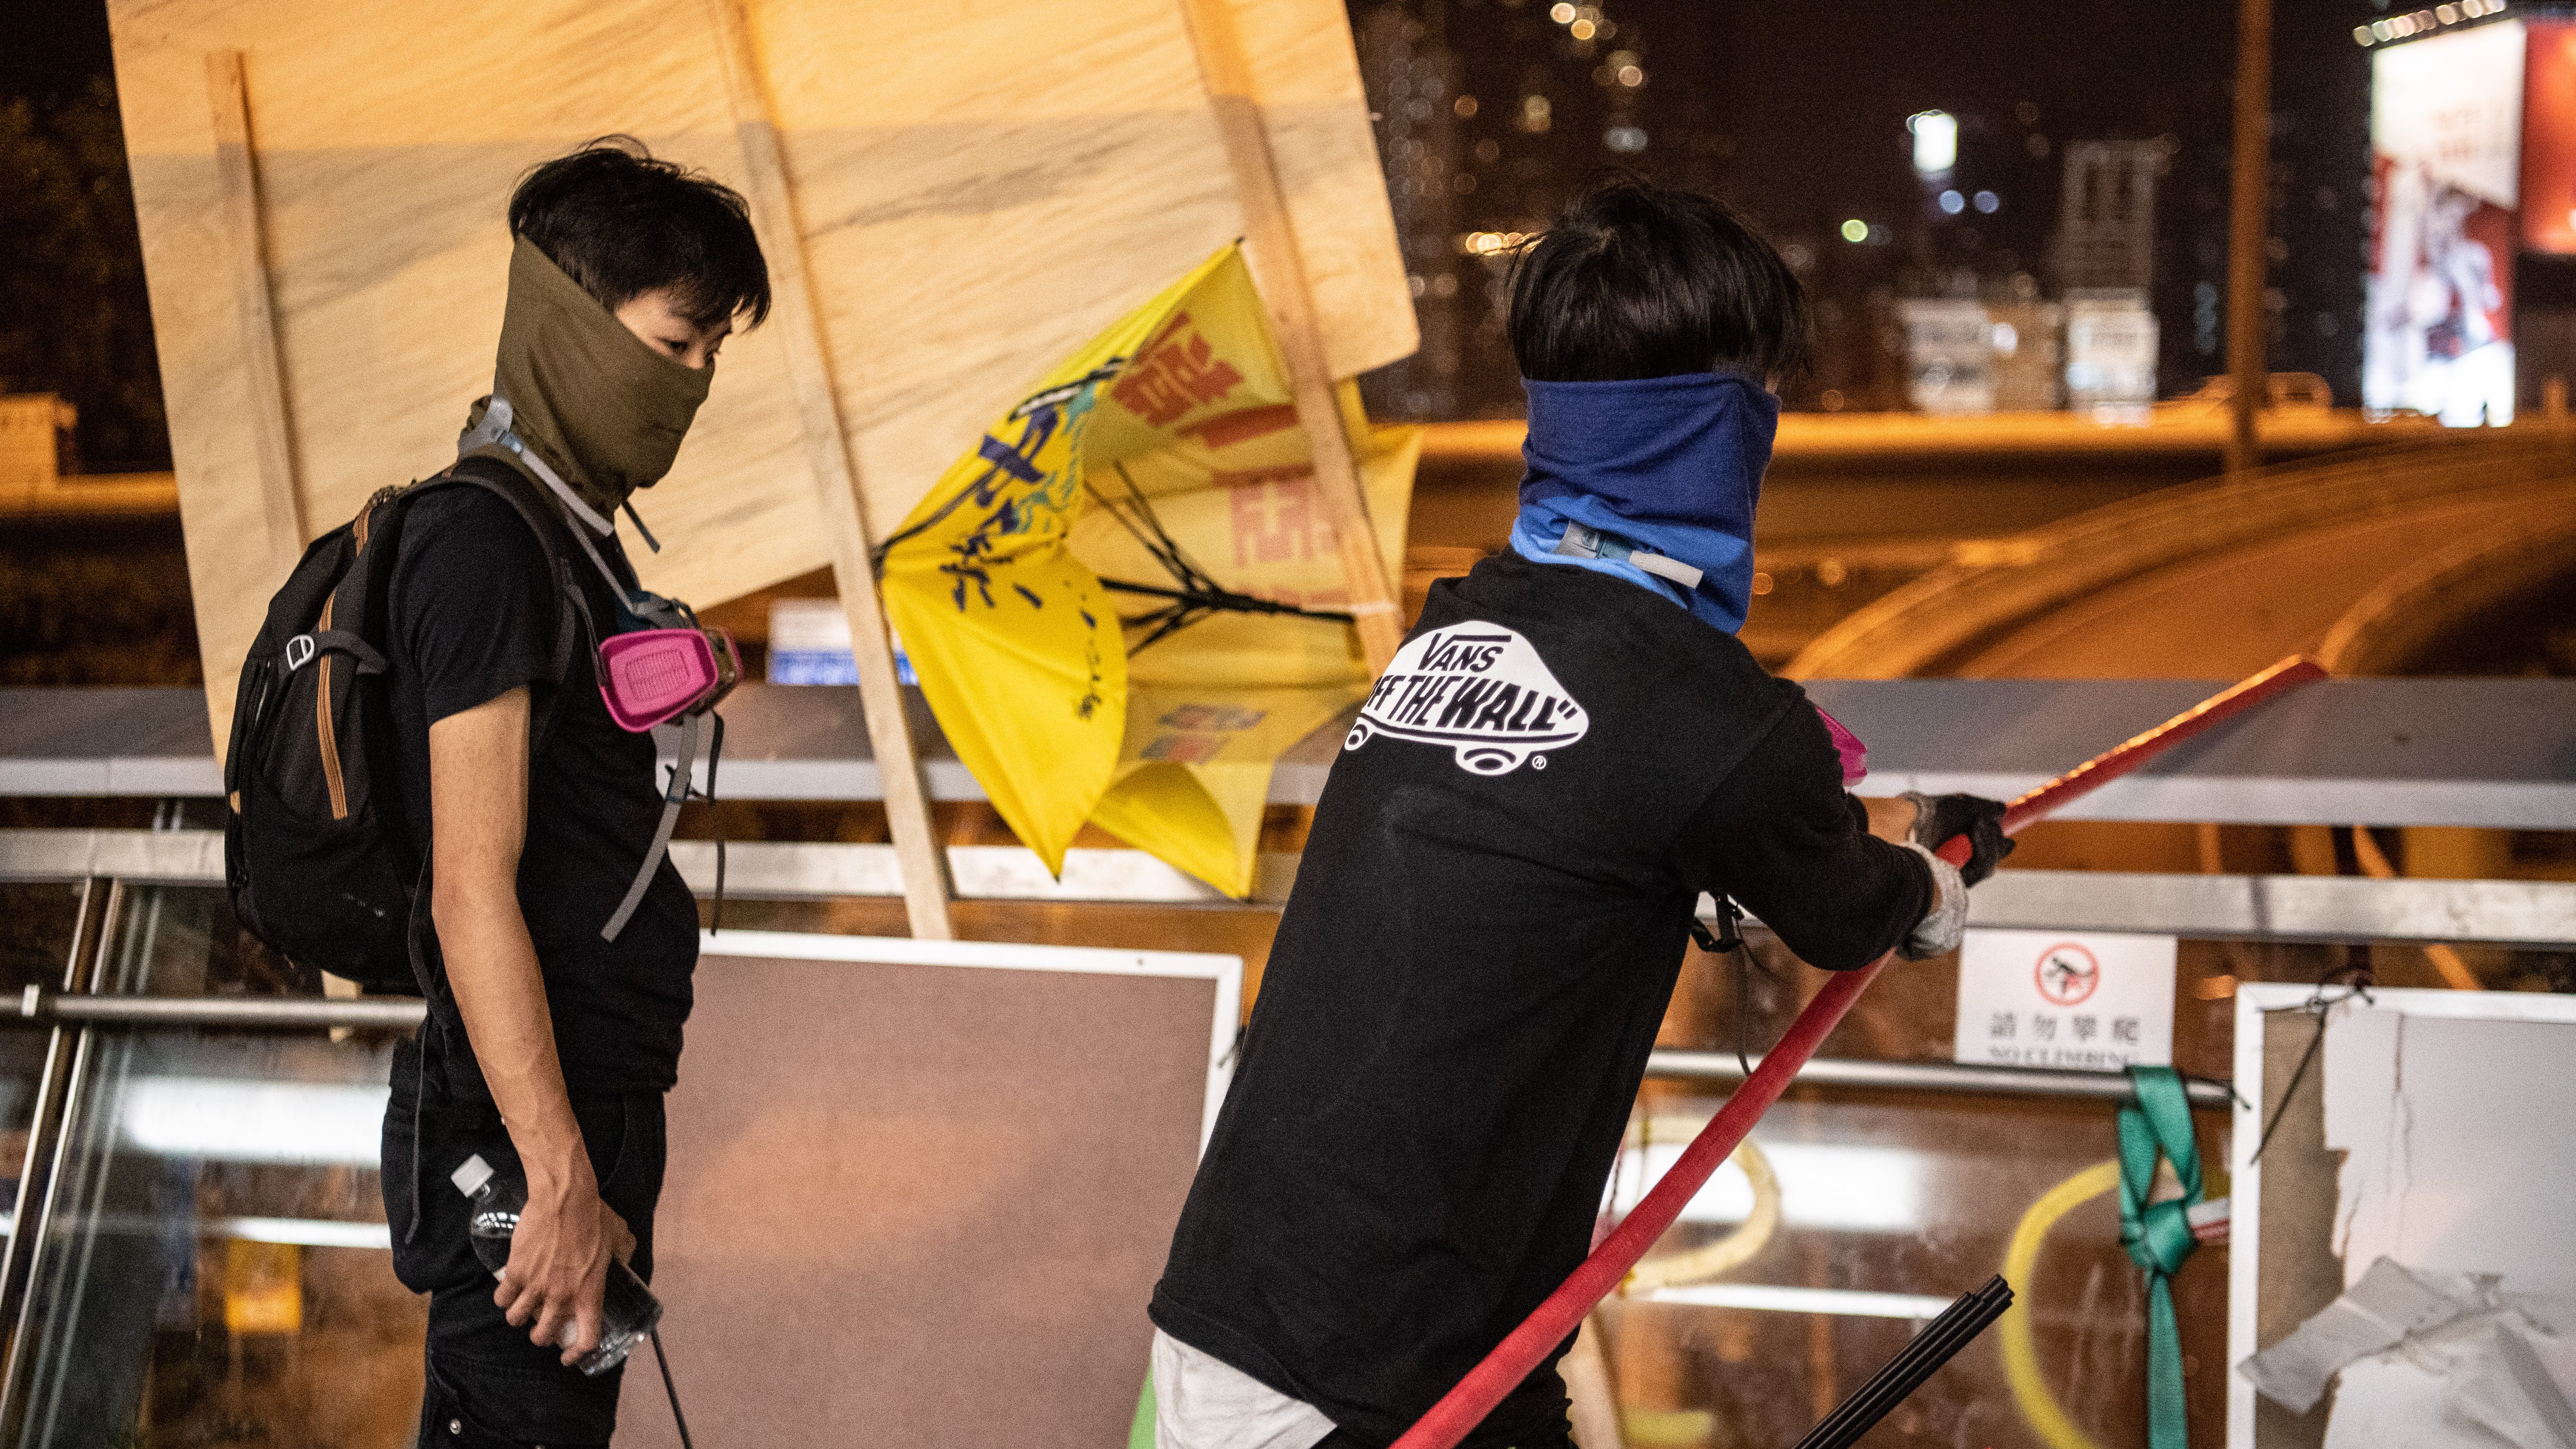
{"x": 628, "y": 1310}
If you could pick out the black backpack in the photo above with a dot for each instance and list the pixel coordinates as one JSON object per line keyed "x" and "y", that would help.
{"x": 317, "y": 853}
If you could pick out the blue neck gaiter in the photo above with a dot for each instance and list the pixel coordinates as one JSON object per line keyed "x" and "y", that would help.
{"x": 1668, "y": 466}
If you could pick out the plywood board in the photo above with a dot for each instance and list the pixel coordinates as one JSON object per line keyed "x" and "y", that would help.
{"x": 920, "y": 1197}
{"x": 983, "y": 186}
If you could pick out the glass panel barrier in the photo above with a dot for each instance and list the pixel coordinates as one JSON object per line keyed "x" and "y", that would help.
{"x": 214, "y": 1268}
{"x": 184, "y": 941}
{"x": 1783, "y": 1288}
{"x": 38, "y": 923}
{"x": 1891, "y": 1205}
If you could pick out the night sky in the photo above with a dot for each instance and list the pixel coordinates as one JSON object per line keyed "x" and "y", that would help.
{"x": 49, "y": 48}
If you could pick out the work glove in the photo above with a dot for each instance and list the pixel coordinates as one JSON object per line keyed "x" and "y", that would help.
{"x": 1939, "y": 817}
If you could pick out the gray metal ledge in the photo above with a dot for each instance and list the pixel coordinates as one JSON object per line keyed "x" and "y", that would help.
{"x": 2499, "y": 753}
{"x": 2533, "y": 914}
{"x": 2281, "y": 907}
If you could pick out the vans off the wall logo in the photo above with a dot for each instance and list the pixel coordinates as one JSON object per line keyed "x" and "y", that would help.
{"x": 1480, "y": 689}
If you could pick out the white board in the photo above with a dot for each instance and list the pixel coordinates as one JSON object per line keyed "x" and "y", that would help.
{"x": 2452, "y": 1110}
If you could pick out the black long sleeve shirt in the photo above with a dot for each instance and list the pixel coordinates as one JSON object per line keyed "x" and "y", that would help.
{"x": 1487, "y": 923}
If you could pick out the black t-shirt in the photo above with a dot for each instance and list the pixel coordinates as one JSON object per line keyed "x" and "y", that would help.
{"x": 1486, "y": 927}
{"x": 471, "y": 614}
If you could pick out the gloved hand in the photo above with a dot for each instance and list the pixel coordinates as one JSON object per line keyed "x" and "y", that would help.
{"x": 1939, "y": 817}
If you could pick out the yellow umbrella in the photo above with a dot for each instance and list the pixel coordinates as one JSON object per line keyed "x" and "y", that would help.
{"x": 1123, "y": 603}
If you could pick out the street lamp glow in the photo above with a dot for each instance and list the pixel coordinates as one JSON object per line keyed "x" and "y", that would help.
{"x": 1936, "y": 141}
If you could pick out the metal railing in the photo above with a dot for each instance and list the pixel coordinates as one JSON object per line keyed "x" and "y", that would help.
{"x": 2289, "y": 908}
{"x": 238, "y": 1013}
{"x": 1721, "y": 1067}
{"x": 107, "y": 867}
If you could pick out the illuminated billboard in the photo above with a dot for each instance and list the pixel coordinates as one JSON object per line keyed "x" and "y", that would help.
{"x": 2446, "y": 155}
{"x": 2549, "y": 138}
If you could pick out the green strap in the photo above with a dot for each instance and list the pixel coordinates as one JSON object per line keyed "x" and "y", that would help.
{"x": 2158, "y": 1235}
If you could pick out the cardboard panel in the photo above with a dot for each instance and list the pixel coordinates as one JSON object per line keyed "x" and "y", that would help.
{"x": 921, "y": 1205}
{"x": 982, "y": 188}
{"x": 2300, "y": 1272}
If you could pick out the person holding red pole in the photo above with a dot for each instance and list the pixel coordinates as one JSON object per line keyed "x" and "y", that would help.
{"x": 1497, "y": 890}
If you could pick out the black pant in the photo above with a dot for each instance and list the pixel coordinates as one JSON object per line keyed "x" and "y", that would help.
{"x": 488, "y": 1386}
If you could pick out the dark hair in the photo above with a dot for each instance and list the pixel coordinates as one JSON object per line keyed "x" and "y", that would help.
{"x": 1639, "y": 280}
{"x": 622, "y": 223}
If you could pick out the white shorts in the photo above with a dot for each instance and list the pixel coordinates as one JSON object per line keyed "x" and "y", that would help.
{"x": 1202, "y": 1402}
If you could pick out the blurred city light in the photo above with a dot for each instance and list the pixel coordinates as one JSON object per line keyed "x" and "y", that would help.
{"x": 1561, "y": 13}
{"x": 1953, "y": 203}
{"x": 2400, "y": 27}
{"x": 1936, "y": 141}
{"x": 1839, "y": 1187}
{"x": 1626, "y": 140}
{"x": 1987, "y": 202}
{"x": 225, "y": 1119}
{"x": 1837, "y": 1302}
{"x": 1855, "y": 230}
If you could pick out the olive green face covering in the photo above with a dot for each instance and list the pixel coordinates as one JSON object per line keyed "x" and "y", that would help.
{"x": 590, "y": 399}
{"x": 594, "y": 412}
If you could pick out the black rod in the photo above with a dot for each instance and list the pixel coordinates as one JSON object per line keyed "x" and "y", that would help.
{"x": 1953, "y": 1330}
{"x": 1930, "y": 1350}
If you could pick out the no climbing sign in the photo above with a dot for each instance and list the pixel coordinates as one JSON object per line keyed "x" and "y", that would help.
{"x": 2049, "y": 999}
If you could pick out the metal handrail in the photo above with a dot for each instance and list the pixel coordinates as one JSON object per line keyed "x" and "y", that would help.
{"x": 1933, "y": 1077}
{"x": 382, "y": 1013}
{"x": 2521, "y": 914}
{"x": 403, "y": 1013}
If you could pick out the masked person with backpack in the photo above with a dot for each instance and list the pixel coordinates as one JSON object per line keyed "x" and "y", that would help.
{"x": 1491, "y": 912}
{"x": 431, "y": 782}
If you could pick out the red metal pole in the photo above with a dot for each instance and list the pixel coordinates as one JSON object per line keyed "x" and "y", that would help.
{"x": 1465, "y": 1406}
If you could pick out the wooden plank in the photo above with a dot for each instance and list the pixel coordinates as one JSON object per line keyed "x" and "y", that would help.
{"x": 968, "y": 223}
{"x": 809, "y": 370}
{"x": 1270, "y": 244}
{"x": 237, "y": 215}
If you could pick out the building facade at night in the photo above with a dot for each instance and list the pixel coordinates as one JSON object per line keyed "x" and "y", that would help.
{"x": 1535, "y": 97}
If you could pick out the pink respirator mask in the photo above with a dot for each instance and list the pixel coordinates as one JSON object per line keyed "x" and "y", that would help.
{"x": 651, "y": 676}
